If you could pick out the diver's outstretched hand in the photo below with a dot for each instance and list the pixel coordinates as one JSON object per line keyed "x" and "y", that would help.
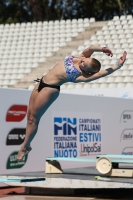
{"x": 121, "y": 60}
{"x": 107, "y": 51}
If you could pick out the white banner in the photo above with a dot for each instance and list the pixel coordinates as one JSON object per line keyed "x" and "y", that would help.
{"x": 126, "y": 93}
{"x": 74, "y": 126}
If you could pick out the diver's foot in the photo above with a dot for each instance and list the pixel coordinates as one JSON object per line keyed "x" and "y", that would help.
{"x": 23, "y": 152}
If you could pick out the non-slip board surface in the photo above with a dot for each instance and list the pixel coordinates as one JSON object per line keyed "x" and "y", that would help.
{"x": 85, "y": 173}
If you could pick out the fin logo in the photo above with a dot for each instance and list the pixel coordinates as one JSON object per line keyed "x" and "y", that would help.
{"x": 65, "y": 126}
{"x": 16, "y": 113}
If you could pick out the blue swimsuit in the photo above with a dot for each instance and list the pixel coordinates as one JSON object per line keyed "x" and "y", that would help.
{"x": 71, "y": 70}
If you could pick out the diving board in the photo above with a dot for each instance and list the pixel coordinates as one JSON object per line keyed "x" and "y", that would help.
{"x": 72, "y": 159}
{"x": 20, "y": 180}
{"x": 115, "y": 156}
{"x": 107, "y": 164}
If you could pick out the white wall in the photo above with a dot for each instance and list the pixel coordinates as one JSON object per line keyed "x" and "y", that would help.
{"x": 110, "y": 92}
{"x": 112, "y": 128}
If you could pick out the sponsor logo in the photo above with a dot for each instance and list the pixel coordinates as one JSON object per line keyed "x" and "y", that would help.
{"x": 16, "y": 136}
{"x": 80, "y": 136}
{"x": 65, "y": 137}
{"x": 127, "y": 151}
{"x": 90, "y": 136}
{"x": 127, "y": 95}
{"x": 127, "y": 134}
{"x": 65, "y": 126}
{"x": 12, "y": 162}
{"x": 86, "y": 149}
{"x": 119, "y": 171}
{"x": 16, "y": 113}
{"x": 126, "y": 116}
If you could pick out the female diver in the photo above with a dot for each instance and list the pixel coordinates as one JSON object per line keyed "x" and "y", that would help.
{"x": 80, "y": 68}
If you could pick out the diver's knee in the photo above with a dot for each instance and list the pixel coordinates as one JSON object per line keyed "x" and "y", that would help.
{"x": 32, "y": 119}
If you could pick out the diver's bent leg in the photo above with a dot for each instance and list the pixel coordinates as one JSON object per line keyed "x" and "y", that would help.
{"x": 43, "y": 100}
{"x": 31, "y": 129}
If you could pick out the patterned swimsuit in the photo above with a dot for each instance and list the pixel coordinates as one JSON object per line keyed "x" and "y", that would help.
{"x": 71, "y": 70}
{"x": 71, "y": 73}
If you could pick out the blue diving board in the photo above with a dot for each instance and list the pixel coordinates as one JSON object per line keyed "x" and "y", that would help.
{"x": 2, "y": 180}
{"x": 20, "y": 180}
{"x": 72, "y": 159}
{"x": 90, "y": 159}
{"x": 115, "y": 156}
{"x": 122, "y": 161}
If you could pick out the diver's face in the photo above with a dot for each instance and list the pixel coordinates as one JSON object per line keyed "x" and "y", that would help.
{"x": 85, "y": 66}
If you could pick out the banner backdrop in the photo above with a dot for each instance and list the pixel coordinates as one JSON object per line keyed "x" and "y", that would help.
{"x": 74, "y": 126}
{"x": 77, "y": 134}
{"x": 126, "y": 93}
